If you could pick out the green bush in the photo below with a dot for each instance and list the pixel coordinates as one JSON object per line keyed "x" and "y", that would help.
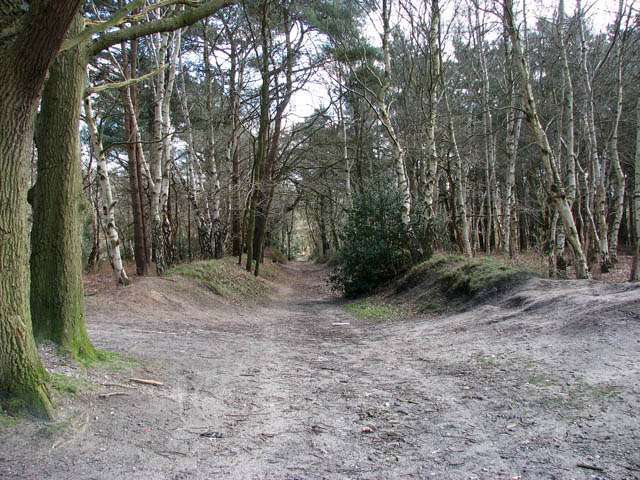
{"x": 374, "y": 241}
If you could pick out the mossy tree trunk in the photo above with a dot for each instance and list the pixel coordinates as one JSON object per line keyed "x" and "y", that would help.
{"x": 59, "y": 206}
{"x": 58, "y": 200}
{"x": 25, "y": 56}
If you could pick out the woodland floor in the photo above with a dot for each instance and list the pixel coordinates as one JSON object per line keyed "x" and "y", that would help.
{"x": 543, "y": 383}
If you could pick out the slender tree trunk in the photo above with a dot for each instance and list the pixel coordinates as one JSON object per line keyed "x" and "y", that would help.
{"x": 134, "y": 166}
{"x": 383, "y": 113}
{"x": 635, "y": 269}
{"x": 430, "y": 170}
{"x": 458, "y": 174}
{"x": 489, "y": 145}
{"x": 195, "y": 184}
{"x": 514, "y": 121}
{"x": 210, "y": 161}
{"x": 557, "y": 190}
{"x": 569, "y": 141}
{"x": 615, "y": 161}
{"x": 59, "y": 207}
{"x": 597, "y": 168}
{"x": 233, "y": 148}
{"x": 108, "y": 204}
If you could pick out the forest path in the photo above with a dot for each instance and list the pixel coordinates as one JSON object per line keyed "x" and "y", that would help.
{"x": 545, "y": 385}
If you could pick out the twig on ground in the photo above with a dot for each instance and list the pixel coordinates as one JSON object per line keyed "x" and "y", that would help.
{"x": 147, "y": 382}
{"x": 112, "y": 394}
{"x": 590, "y": 467}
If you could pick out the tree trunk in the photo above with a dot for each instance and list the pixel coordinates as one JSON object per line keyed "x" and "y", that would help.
{"x": 597, "y": 168}
{"x": 458, "y": 174}
{"x": 635, "y": 269}
{"x": 25, "y": 56}
{"x": 615, "y": 160}
{"x": 430, "y": 170}
{"x": 134, "y": 166}
{"x": 383, "y": 114}
{"x": 59, "y": 206}
{"x": 561, "y": 262}
{"x": 557, "y": 190}
{"x": 210, "y": 161}
{"x": 108, "y": 204}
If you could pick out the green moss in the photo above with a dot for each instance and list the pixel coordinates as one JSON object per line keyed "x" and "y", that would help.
{"x": 367, "y": 309}
{"x": 226, "y": 278}
{"x": 446, "y": 282}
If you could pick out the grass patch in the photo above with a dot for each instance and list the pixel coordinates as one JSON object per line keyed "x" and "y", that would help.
{"x": 113, "y": 361}
{"x": 69, "y": 385}
{"x": 367, "y": 309}
{"x": 228, "y": 279}
{"x": 446, "y": 282}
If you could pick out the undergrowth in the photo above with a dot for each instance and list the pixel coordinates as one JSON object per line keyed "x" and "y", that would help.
{"x": 228, "y": 279}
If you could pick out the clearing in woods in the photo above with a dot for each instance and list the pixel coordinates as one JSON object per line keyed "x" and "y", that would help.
{"x": 543, "y": 383}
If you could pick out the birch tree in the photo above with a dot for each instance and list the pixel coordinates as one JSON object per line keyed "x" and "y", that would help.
{"x": 548, "y": 158}
{"x": 635, "y": 269}
{"x": 108, "y": 204}
{"x": 512, "y": 136}
{"x": 382, "y": 108}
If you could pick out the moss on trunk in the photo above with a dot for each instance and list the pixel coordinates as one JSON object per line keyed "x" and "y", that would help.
{"x": 59, "y": 206}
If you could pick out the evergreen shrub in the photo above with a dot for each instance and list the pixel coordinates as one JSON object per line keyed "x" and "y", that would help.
{"x": 374, "y": 240}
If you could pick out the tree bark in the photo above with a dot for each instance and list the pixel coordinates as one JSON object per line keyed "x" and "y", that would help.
{"x": 25, "y": 56}
{"x": 59, "y": 207}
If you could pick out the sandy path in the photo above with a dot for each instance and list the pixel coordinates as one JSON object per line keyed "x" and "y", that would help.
{"x": 544, "y": 386}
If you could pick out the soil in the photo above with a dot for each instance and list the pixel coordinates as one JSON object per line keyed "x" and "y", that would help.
{"x": 542, "y": 383}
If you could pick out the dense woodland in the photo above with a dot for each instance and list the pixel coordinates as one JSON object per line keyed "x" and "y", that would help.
{"x": 173, "y": 130}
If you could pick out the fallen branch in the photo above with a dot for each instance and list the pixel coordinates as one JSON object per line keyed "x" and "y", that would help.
{"x": 147, "y": 382}
{"x": 590, "y": 467}
{"x": 168, "y": 453}
{"x": 112, "y": 394}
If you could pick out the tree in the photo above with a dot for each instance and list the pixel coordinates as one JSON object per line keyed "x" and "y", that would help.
{"x": 29, "y": 41}
{"x": 56, "y": 288}
{"x": 550, "y": 165}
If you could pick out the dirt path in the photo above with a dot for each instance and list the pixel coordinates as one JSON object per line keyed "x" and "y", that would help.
{"x": 543, "y": 385}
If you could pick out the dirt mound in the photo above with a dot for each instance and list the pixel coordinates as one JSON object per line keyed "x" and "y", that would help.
{"x": 448, "y": 283}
